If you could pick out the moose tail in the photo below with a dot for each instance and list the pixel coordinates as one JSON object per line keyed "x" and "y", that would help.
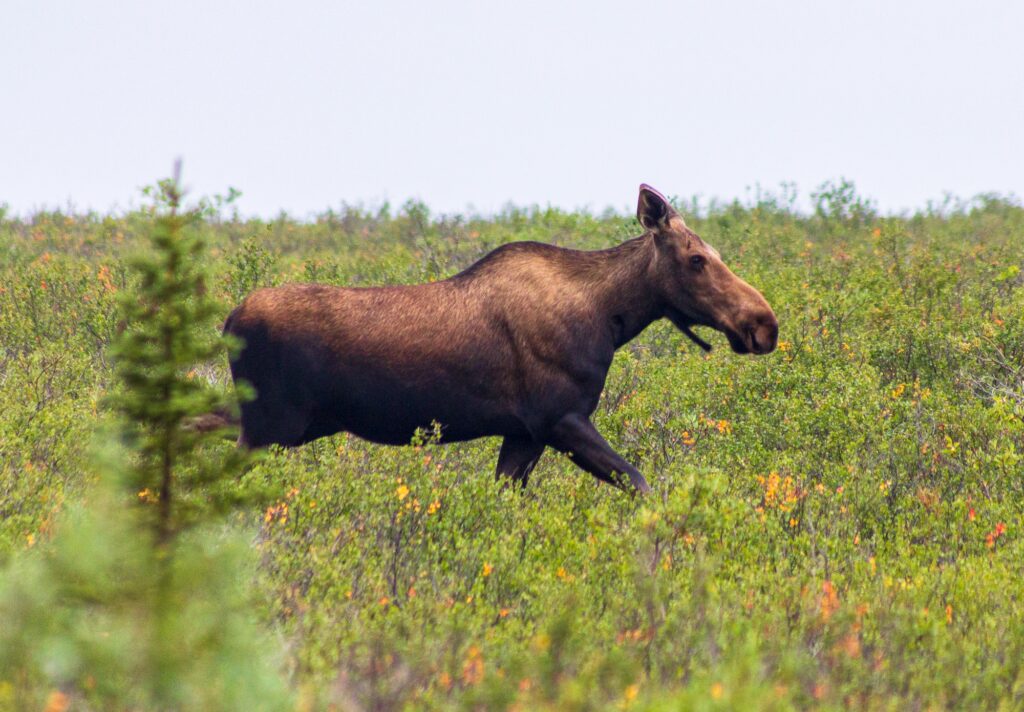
{"x": 216, "y": 420}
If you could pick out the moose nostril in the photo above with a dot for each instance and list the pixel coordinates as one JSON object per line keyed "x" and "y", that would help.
{"x": 768, "y": 333}
{"x": 762, "y": 336}
{"x": 758, "y": 333}
{"x": 752, "y": 335}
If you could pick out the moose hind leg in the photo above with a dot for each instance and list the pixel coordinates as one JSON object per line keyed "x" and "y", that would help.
{"x": 517, "y": 458}
{"x": 576, "y": 435}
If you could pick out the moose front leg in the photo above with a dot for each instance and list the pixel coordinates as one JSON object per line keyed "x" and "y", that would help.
{"x": 517, "y": 458}
{"x": 576, "y": 435}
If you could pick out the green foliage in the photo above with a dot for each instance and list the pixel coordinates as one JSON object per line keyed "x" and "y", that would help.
{"x": 169, "y": 332}
{"x": 839, "y": 202}
{"x": 250, "y": 265}
{"x": 136, "y": 602}
{"x": 100, "y": 618}
{"x": 834, "y": 525}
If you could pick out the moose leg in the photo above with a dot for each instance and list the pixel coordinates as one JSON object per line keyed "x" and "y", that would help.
{"x": 517, "y": 458}
{"x": 576, "y": 435}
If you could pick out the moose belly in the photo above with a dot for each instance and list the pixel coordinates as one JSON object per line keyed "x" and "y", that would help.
{"x": 388, "y": 406}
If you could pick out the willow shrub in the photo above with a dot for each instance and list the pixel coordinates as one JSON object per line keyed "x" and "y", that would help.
{"x": 834, "y": 525}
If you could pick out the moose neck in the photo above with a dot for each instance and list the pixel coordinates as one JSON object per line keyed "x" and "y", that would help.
{"x": 622, "y": 288}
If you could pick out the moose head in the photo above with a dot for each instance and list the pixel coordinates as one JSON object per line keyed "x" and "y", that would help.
{"x": 697, "y": 289}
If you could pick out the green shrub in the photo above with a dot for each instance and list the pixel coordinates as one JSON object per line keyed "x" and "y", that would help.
{"x": 835, "y": 525}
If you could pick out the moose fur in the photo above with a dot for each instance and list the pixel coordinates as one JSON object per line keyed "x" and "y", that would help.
{"x": 518, "y": 345}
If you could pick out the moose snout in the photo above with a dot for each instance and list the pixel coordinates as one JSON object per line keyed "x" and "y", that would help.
{"x": 761, "y": 334}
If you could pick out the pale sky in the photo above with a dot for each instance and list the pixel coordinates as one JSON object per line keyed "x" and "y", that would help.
{"x": 305, "y": 104}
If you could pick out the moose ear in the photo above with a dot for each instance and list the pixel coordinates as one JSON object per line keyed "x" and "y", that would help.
{"x": 653, "y": 209}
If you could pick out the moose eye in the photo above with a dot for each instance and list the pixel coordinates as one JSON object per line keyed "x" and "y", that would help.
{"x": 696, "y": 261}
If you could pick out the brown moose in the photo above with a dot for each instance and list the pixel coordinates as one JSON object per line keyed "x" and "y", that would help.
{"x": 517, "y": 345}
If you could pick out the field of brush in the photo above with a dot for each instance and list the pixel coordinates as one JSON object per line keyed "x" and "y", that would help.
{"x": 837, "y": 524}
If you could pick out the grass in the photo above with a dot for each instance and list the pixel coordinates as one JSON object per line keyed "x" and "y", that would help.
{"x": 834, "y": 525}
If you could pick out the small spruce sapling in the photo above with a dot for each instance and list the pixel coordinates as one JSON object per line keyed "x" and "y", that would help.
{"x": 142, "y": 598}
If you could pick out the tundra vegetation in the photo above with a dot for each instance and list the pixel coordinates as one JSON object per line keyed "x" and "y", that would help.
{"x": 836, "y": 524}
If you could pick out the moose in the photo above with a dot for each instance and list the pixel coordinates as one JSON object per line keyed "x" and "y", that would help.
{"x": 517, "y": 345}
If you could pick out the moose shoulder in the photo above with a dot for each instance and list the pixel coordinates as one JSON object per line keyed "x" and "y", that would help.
{"x": 517, "y": 345}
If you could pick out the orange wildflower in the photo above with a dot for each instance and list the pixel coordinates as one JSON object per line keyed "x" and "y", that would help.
{"x": 57, "y": 702}
{"x": 473, "y": 667}
{"x": 993, "y": 536}
{"x": 829, "y": 601}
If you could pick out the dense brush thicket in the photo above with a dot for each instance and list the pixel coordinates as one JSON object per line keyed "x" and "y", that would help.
{"x": 838, "y": 524}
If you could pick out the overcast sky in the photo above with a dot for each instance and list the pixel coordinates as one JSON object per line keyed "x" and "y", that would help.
{"x": 305, "y": 104}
